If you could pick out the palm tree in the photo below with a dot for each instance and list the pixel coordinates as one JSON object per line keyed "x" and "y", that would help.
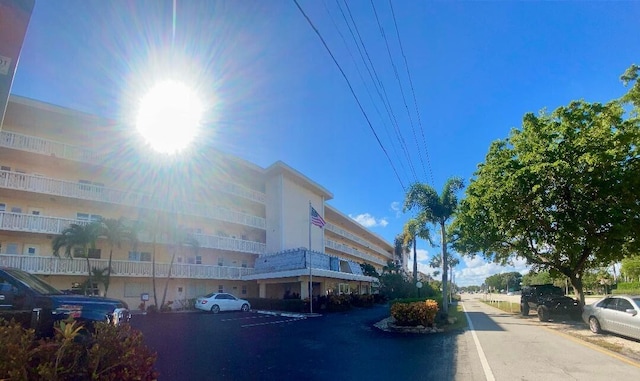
{"x": 180, "y": 239}
{"x": 436, "y": 209}
{"x": 77, "y": 236}
{"x": 154, "y": 223}
{"x": 115, "y": 231}
{"x": 413, "y": 230}
{"x": 400, "y": 248}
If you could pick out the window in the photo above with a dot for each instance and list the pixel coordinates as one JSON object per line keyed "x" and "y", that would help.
{"x": 78, "y": 252}
{"x": 31, "y": 250}
{"x": 140, "y": 256}
{"x": 16, "y": 209}
{"x": 12, "y": 248}
{"x": 244, "y": 263}
{"x": 220, "y": 261}
{"x": 180, "y": 259}
{"x": 5, "y": 168}
{"x": 3, "y": 207}
{"x": 244, "y": 290}
{"x": 624, "y": 305}
{"x": 85, "y": 184}
{"x": 35, "y": 212}
{"x": 198, "y": 259}
{"x": 220, "y": 288}
{"x": 344, "y": 288}
{"x": 88, "y": 217}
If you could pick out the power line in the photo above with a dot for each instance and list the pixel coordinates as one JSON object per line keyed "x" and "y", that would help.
{"x": 352, "y": 91}
{"x": 415, "y": 102}
{"x": 391, "y": 140}
{"x": 395, "y": 72}
{"x": 385, "y": 99}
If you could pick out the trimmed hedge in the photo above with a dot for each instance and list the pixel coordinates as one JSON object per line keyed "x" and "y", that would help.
{"x": 415, "y": 313}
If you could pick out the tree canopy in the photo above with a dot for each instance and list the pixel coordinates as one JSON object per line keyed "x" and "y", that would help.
{"x": 563, "y": 191}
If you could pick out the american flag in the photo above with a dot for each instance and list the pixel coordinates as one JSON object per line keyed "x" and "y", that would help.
{"x": 316, "y": 219}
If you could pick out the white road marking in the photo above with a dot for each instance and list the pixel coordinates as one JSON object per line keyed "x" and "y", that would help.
{"x": 483, "y": 359}
{"x": 271, "y": 322}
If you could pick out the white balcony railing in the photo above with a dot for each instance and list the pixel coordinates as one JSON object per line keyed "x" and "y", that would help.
{"x": 351, "y": 251}
{"x": 346, "y": 234}
{"x": 78, "y": 266}
{"x": 45, "y": 185}
{"x": 57, "y": 149}
{"x": 54, "y": 225}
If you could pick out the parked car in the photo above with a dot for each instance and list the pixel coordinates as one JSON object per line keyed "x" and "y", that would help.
{"x": 36, "y": 304}
{"x": 618, "y": 314}
{"x": 221, "y": 301}
{"x": 548, "y": 301}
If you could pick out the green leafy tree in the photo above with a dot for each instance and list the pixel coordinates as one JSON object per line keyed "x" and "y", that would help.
{"x": 77, "y": 236}
{"x": 432, "y": 208}
{"x": 369, "y": 270}
{"x": 562, "y": 192}
{"x": 631, "y": 268}
{"x": 539, "y": 277}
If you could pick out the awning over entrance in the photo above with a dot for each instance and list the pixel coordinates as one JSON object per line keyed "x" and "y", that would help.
{"x": 302, "y": 262}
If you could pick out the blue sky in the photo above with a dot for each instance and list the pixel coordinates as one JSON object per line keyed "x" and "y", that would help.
{"x": 461, "y": 75}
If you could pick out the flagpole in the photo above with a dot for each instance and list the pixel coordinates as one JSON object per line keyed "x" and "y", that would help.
{"x": 309, "y": 255}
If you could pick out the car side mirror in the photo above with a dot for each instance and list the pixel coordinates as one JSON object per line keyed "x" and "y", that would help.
{"x": 631, "y": 312}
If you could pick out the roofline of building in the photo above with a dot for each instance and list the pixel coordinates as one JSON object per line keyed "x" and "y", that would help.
{"x": 46, "y": 106}
{"x": 279, "y": 167}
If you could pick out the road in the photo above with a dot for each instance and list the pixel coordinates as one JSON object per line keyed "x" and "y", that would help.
{"x": 346, "y": 346}
{"x": 520, "y": 348}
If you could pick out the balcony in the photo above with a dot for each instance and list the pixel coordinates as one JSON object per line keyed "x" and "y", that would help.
{"x": 350, "y": 236}
{"x": 56, "y": 149}
{"x": 78, "y": 266}
{"x": 91, "y": 192}
{"x": 53, "y": 225}
{"x": 353, "y": 252}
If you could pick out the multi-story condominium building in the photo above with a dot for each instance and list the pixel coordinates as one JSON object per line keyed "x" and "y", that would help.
{"x": 255, "y": 233}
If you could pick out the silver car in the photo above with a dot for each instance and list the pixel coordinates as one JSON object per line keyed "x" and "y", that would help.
{"x": 618, "y": 314}
{"x": 221, "y": 301}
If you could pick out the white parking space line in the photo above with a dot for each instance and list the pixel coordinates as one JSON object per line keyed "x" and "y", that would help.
{"x": 483, "y": 359}
{"x": 246, "y": 318}
{"x": 272, "y": 322}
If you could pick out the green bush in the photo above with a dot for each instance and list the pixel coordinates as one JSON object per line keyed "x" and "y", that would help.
{"x": 415, "y": 313}
{"x": 629, "y": 286}
{"x": 106, "y": 352}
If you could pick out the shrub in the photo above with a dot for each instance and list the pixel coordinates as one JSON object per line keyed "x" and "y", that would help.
{"x": 415, "y": 313}
{"x": 365, "y": 300}
{"x": 107, "y": 352}
{"x": 290, "y": 305}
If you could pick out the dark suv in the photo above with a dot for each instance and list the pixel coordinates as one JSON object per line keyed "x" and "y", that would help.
{"x": 549, "y": 301}
{"x": 35, "y": 304}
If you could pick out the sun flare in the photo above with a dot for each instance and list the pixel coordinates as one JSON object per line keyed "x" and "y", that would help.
{"x": 169, "y": 116}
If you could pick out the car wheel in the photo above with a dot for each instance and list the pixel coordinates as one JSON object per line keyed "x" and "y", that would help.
{"x": 245, "y": 307}
{"x": 215, "y": 309}
{"x": 543, "y": 313}
{"x": 524, "y": 309}
{"x": 594, "y": 325}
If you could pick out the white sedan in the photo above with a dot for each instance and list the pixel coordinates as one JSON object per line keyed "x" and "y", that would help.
{"x": 618, "y": 314}
{"x": 221, "y": 301}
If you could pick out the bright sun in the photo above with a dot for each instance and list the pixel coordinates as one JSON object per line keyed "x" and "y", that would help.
{"x": 169, "y": 116}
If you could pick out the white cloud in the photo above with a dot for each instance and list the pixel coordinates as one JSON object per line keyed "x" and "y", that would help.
{"x": 367, "y": 220}
{"x": 423, "y": 259}
{"x": 477, "y": 270}
{"x": 396, "y": 207}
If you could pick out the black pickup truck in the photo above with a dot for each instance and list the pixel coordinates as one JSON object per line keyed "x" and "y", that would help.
{"x": 36, "y": 304}
{"x": 548, "y": 301}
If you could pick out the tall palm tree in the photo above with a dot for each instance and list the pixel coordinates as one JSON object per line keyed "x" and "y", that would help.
{"x": 155, "y": 224}
{"x": 77, "y": 236}
{"x": 180, "y": 238}
{"x": 400, "y": 248}
{"x": 115, "y": 231}
{"x": 436, "y": 209}
{"x": 413, "y": 230}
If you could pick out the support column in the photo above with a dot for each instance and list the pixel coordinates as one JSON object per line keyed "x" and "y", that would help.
{"x": 263, "y": 289}
{"x": 304, "y": 287}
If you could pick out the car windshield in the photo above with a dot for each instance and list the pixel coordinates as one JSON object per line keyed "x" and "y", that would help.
{"x": 33, "y": 282}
